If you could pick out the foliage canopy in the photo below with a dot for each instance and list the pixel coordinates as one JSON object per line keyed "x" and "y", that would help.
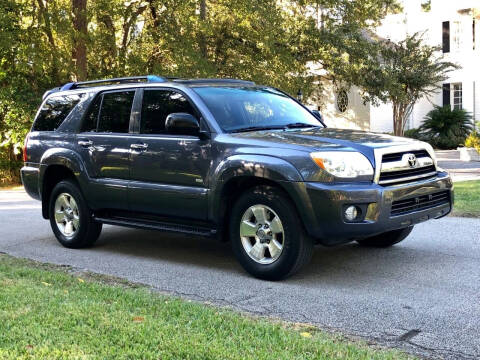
{"x": 44, "y": 43}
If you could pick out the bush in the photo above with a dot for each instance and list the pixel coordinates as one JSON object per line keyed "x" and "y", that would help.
{"x": 473, "y": 140}
{"x": 445, "y": 128}
{"x": 414, "y": 134}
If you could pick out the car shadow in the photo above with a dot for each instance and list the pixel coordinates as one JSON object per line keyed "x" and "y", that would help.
{"x": 348, "y": 264}
{"x": 168, "y": 247}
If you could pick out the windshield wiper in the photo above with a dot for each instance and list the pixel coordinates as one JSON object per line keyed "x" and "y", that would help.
{"x": 299, "y": 125}
{"x": 257, "y": 128}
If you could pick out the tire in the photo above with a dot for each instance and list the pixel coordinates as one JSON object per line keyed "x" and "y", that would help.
{"x": 284, "y": 228}
{"x": 386, "y": 239}
{"x": 70, "y": 218}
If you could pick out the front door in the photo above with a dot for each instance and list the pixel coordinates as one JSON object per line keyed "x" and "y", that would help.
{"x": 168, "y": 172}
{"x": 105, "y": 149}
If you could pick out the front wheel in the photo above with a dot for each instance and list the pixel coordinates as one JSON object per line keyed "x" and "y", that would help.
{"x": 386, "y": 239}
{"x": 70, "y": 218}
{"x": 267, "y": 236}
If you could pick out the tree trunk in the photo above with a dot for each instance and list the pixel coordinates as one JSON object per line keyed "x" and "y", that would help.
{"x": 79, "y": 53}
{"x": 43, "y": 13}
{"x": 202, "y": 41}
{"x": 128, "y": 24}
{"x": 401, "y": 112}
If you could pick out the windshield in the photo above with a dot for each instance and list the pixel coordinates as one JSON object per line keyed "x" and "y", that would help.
{"x": 251, "y": 108}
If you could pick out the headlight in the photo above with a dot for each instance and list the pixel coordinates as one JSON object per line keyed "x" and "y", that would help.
{"x": 431, "y": 152}
{"x": 343, "y": 164}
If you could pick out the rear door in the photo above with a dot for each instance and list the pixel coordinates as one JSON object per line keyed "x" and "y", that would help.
{"x": 168, "y": 172}
{"x": 104, "y": 146}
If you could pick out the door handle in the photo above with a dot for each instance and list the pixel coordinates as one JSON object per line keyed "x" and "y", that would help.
{"x": 85, "y": 143}
{"x": 139, "y": 147}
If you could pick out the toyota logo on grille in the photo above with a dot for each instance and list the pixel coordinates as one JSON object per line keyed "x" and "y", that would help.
{"x": 412, "y": 160}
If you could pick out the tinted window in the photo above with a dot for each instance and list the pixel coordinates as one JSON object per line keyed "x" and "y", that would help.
{"x": 236, "y": 108}
{"x": 91, "y": 119}
{"x": 54, "y": 111}
{"x": 115, "y": 112}
{"x": 157, "y": 105}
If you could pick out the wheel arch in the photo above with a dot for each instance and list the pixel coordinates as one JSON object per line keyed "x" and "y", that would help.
{"x": 240, "y": 173}
{"x": 57, "y": 165}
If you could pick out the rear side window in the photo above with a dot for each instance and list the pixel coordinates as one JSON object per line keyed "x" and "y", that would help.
{"x": 115, "y": 112}
{"x": 54, "y": 111}
{"x": 157, "y": 105}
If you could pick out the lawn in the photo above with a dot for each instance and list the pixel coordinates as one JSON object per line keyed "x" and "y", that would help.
{"x": 50, "y": 312}
{"x": 467, "y": 199}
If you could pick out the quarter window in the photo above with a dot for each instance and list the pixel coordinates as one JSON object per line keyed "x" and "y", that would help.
{"x": 157, "y": 105}
{"x": 115, "y": 112}
{"x": 54, "y": 111}
{"x": 91, "y": 119}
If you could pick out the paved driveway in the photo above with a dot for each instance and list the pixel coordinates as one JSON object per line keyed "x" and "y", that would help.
{"x": 422, "y": 295}
{"x": 459, "y": 170}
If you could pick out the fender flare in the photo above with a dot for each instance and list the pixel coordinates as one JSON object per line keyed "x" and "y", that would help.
{"x": 266, "y": 167}
{"x": 66, "y": 158}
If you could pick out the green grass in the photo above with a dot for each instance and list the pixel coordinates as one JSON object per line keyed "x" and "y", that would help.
{"x": 49, "y": 313}
{"x": 467, "y": 199}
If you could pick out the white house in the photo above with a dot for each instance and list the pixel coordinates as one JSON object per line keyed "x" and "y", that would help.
{"x": 452, "y": 25}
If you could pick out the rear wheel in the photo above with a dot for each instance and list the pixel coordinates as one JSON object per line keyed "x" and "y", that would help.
{"x": 70, "y": 218}
{"x": 386, "y": 239}
{"x": 267, "y": 236}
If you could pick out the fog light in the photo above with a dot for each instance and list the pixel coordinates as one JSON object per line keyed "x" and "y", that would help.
{"x": 351, "y": 213}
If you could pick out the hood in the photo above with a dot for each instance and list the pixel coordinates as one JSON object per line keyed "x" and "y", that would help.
{"x": 322, "y": 139}
{"x": 319, "y": 138}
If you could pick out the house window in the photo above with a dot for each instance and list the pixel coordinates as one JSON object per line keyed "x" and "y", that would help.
{"x": 446, "y": 36}
{"x": 342, "y": 101}
{"x": 457, "y": 96}
{"x": 457, "y": 35}
{"x": 473, "y": 34}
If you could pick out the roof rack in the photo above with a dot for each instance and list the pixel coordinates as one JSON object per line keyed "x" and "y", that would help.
{"x": 140, "y": 79}
{"x": 122, "y": 80}
{"x": 113, "y": 81}
{"x": 214, "y": 81}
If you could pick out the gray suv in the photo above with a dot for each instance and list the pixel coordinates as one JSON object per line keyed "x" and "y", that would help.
{"x": 223, "y": 158}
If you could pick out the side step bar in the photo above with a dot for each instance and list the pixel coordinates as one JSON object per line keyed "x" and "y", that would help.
{"x": 157, "y": 225}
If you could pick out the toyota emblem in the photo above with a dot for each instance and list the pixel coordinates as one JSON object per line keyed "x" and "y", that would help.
{"x": 412, "y": 160}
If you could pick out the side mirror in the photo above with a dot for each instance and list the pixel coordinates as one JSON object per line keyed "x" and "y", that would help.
{"x": 182, "y": 124}
{"x": 317, "y": 114}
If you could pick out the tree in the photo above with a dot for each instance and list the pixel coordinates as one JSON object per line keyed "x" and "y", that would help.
{"x": 403, "y": 73}
{"x": 45, "y": 43}
{"x": 79, "y": 53}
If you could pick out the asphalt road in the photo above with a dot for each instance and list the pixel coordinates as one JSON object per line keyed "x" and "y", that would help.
{"x": 422, "y": 295}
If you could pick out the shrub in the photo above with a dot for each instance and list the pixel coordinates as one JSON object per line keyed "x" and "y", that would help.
{"x": 473, "y": 140}
{"x": 445, "y": 128}
{"x": 414, "y": 134}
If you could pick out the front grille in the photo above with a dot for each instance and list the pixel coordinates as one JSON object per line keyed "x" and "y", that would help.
{"x": 398, "y": 156}
{"x": 402, "y": 207}
{"x": 396, "y": 168}
{"x": 407, "y": 175}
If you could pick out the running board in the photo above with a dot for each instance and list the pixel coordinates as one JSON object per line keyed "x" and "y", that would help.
{"x": 157, "y": 225}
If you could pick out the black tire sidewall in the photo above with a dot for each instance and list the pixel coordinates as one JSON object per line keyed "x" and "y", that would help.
{"x": 293, "y": 232}
{"x": 80, "y": 239}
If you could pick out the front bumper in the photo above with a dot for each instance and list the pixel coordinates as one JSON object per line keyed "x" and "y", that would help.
{"x": 328, "y": 202}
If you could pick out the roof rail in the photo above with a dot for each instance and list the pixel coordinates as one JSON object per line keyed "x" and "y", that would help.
{"x": 122, "y": 80}
{"x": 214, "y": 81}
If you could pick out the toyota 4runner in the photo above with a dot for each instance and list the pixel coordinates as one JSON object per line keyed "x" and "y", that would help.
{"x": 227, "y": 159}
